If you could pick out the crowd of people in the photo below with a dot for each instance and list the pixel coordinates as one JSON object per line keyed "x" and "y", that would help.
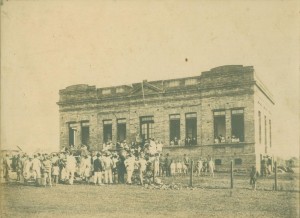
{"x": 187, "y": 142}
{"x": 266, "y": 166}
{"x": 139, "y": 162}
{"x": 221, "y": 139}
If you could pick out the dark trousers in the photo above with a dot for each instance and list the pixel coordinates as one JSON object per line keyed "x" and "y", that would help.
{"x": 121, "y": 175}
{"x": 168, "y": 171}
{"x": 161, "y": 170}
{"x": 252, "y": 181}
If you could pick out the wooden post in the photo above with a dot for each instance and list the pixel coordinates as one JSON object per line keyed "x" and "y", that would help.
{"x": 153, "y": 171}
{"x": 231, "y": 174}
{"x": 275, "y": 175}
{"x": 191, "y": 173}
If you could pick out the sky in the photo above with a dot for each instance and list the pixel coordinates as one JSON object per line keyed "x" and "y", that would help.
{"x": 49, "y": 45}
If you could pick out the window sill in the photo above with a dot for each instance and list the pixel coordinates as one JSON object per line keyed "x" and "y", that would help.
{"x": 215, "y": 144}
{"x": 231, "y": 143}
{"x": 181, "y": 146}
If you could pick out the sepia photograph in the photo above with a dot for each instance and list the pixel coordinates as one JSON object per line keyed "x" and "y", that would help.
{"x": 132, "y": 108}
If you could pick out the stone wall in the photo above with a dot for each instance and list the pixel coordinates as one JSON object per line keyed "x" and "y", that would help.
{"x": 226, "y": 152}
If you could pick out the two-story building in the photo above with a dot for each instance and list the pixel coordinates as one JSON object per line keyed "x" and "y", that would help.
{"x": 225, "y": 113}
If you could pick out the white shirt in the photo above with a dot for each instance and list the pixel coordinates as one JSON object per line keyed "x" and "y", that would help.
{"x": 71, "y": 162}
{"x": 129, "y": 162}
{"x": 173, "y": 166}
{"x": 159, "y": 147}
{"x": 27, "y": 165}
{"x": 142, "y": 164}
{"x": 36, "y": 164}
{"x": 179, "y": 165}
{"x": 211, "y": 164}
{"x": 107, "y": 163}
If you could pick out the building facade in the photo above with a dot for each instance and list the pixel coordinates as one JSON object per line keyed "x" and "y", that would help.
{"x": 225, "y": 113}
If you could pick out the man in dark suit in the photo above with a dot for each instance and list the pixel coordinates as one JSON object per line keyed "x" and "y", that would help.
{"x": 167, "y": 165}
{"x": 98, "y": 170}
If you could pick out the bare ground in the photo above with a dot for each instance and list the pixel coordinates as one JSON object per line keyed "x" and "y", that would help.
{"x": 210, "y": 197}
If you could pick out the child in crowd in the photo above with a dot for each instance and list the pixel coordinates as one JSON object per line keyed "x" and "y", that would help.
{"x": 55, "y": 173}
{"x": 142, "y": 164}
{"x": 199, "y": 167}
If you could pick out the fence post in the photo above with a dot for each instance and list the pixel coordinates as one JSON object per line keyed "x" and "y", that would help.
{"x": 231, "y": 174}
{"x": 153, "y": 171}
{"x": 275, "y": 175}
{"x": 191, "y": 173}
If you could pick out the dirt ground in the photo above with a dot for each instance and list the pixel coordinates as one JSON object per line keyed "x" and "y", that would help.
{"x": 210, "y": 197}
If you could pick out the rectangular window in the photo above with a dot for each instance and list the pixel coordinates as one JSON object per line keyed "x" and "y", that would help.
{"x": 107, "y": 130}
{"x": 119, "y": 90}
{"x": 270, "y": 133}
{"x": 266, "y": 131}
{"x": 218, "y": 162}
{"x": 191, "y": 129}
{"x": 238, "y": 161}
{"x": 106, "y": 91}
{"x": 72, "y": 134}
{"x": 219, "y": 113}
{"x": 147, "y": 119}
{"x": 190, "y": 82}
{"x": 146, "y": 127}
{"x": 237, "y": 125}
{"x": 175, "y": 128}
{"x": 237, "y": 111}
{"x": 85, "y": 133}
{"x": 121, "y": 130}
{"x": 259, "y": 126}
{"x": 219, "y": 126}
{"x": 174, "y": 83}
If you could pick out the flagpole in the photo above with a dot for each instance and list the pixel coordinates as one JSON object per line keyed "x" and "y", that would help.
{"x": 143, "y": 93}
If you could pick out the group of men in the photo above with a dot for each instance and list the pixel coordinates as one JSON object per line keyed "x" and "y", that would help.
{"x": 95, "y": 167}
{"x": 266, "y": 166}
{"x": 138, "y": 161}
{"x": 27, "y": 167}
{"x": 181, "y": 167}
